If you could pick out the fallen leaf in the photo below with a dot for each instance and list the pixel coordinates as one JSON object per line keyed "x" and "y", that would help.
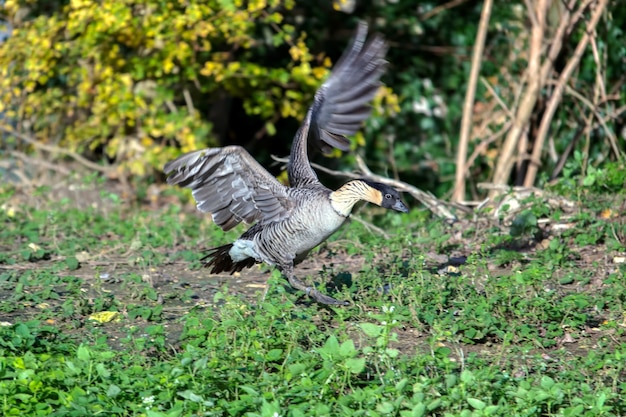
{"x": 105, "y": 316}
{"x": 34, "y": 247}
{"x": 82, "y": 256}
{"x": 606, "y": 213}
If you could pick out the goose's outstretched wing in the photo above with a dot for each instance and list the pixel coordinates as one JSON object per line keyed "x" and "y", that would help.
{"x": 231, "y": 185}
{"x": 341, "y": 104}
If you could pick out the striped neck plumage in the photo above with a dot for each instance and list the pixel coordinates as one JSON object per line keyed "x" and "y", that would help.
{"x": 299, "y": 169}
{"x": 344, "y": 199}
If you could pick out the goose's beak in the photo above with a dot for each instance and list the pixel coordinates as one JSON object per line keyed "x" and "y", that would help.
{"x": 399, "y": 206}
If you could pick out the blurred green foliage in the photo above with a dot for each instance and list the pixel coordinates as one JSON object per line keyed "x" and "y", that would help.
{"x": 126, "y": 78}
{"x": 141, "y": 82}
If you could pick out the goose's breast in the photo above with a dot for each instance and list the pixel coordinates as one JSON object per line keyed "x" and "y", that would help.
{"x": 315, "y": 224}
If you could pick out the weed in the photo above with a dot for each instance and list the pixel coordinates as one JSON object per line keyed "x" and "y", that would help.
{"x": 513, "y": 330}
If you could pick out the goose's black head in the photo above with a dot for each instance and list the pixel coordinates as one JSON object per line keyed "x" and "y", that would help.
{"x": 386, "y": 196}
{"x": 344, "y": 199}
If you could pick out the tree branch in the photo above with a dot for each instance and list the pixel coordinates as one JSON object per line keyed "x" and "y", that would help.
{"x": 436, "y": 10}
{"x": 557, "y": 94}
{"x": 466, "y": 124}
{"x": 567, "y": 22}
{"x": 56, "y": 150}
{"x": 430, "y": 201}
{"x": 528, "y": 101}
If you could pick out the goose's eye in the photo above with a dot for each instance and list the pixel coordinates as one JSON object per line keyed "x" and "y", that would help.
{"x": 388, "y": 196}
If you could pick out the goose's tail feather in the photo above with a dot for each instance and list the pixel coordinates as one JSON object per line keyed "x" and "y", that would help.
{"x": 219, "y": 260}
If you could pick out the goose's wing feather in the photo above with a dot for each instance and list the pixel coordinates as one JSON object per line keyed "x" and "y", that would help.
{"x": 343, "y": 102}
{"x": 340, "y": 105}
{"x": 231, "y": 185}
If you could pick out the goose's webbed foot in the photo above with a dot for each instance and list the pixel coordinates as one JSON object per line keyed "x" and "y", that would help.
{"x": 311, "y": 291}
{"x": 323, "y": 298}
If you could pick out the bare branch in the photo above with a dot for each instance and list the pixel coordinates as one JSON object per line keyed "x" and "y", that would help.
{"x": 40, "y": 163}
{"x": 610, "y": 134}
{"x": 57, "y": 150}
{"x": 557, "y": 94}
{"x": 596, "y": 57}
{"x": 579, "y": 13}
{"x": 443, "y": 7}
{"x": 466, "y": 124}
{"x": 528, "y": 100}
{"x": 482, "y": 146}
{"x": 426, "y": 198}
{"x": 430, "y": 201}
{"x": 370, "y": 226}
{"x": 189, "y": 101}
{"x": 567, "y": 22}
{"x": 495, "y": 95}
{"x": 532, "y": 16}
{"x": 568, "y": 150}
{"x": 585, "y": 162}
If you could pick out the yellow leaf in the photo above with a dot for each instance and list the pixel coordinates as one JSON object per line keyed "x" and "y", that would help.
{"x": 169, "y": 129}
{"x": 168, "y": 66}
{"x": 319, "y": 72}
{"x": 212, "y": 68}
{"x": 9, "y": 209}
{"x": 271, "y": 129}
{"x": 256, "y": 5}
{"x": 11, "y": 6}
{"x": 147, "y": 141}
{"x": 105, "y": 316}
{"x": 360, "y": 138}
{"x": 346, "y": 6}
{"x": 126, "y": 79}
{"x": 297, "y": 52}
{"x": 607, "y": 213}
{"x": 34, "y": 247}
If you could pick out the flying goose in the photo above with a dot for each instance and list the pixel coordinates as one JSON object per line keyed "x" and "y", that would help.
{"x": 289, "y": 221}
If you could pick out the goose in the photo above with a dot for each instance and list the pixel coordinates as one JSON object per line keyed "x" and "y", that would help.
{"x": 289, "y": 221}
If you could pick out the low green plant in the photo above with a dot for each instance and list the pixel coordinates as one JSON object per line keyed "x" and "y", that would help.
{"x": 120, "y": 318}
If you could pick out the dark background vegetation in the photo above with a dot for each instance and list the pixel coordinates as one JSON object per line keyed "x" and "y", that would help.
{"x": 130, "y": 85}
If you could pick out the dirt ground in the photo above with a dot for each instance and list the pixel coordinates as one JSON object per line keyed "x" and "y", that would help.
{"x": 103, "y": 274}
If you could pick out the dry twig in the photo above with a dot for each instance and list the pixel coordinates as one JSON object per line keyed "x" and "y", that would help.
{"x": 528, "y": 100}
{"x": 557, "y": 94}
{"x": 466, "y": 124}
{"x": 602, "y": 120}
{"x": 441, "y": 8}
{"x": 430, "y": 201}
{"x": 44, "y": 164}
{"x": 56, "y": 150}
{"x": 497, "y": 97}
{"x": 484, "y": 144}
{"x": 567, "y": 23}
{"x": 435, "y": 205}
{"x": 370, "y": 226}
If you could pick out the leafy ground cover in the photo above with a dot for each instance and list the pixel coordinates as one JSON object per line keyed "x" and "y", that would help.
{"x": 106, "y": 311}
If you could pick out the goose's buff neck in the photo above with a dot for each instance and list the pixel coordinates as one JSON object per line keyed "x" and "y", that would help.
{"x": 344, "y": 199}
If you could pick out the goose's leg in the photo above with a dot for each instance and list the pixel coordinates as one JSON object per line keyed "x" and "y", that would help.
{"x": 287, "y": 270}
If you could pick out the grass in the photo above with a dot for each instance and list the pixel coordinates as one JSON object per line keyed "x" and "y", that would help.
{"x": 106, "y": 311}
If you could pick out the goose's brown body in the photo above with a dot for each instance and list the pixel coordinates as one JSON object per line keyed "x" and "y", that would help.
{"x": 278, "y": 243}
{"x": 290, "y": 221}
